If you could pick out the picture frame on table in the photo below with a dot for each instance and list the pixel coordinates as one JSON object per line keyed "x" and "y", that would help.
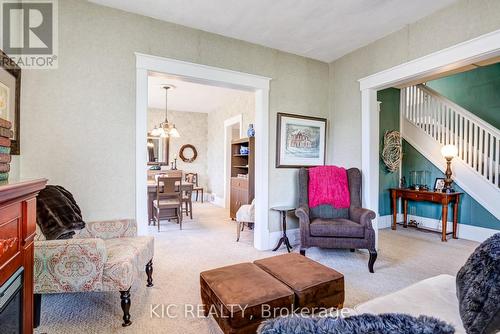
{"x": 10, "y": 99}
{"x": 439, "y": 184}
{"x": 300, "y": 141}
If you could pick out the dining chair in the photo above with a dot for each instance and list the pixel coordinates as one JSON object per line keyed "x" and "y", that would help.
{"x": 168, "y": 203}
{"x": 193, "y": 178}
{"x": 187, "y": 200}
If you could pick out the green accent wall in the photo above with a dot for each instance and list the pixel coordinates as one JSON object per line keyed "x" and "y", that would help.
{"x": 389, "y": 120}
{"x": 470, "y": 211}
{"x": 477, "y": 90}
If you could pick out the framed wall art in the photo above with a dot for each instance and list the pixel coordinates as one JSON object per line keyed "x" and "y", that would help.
{"x": 301, "y": 141}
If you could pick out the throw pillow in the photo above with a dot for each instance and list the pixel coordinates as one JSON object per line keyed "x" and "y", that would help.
{"x": 58, "y": 215}
{"x": 391, "y": 323}
{"x": 478, "y": 288}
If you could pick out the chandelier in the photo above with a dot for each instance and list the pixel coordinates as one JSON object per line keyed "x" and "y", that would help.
{"x": 165, "y": 129}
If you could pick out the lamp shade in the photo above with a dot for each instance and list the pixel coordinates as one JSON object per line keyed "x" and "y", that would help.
{"x": 449, "y": 151}
{"x": 155, "y": 132}
{"x": 174, "y": 133}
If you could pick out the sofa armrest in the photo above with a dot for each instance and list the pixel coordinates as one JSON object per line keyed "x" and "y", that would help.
{"x": 362, "y": 216}
{"x": 108, "y": 229}
{"x": 302, "y": 213}
{"x": 69, "y": 265}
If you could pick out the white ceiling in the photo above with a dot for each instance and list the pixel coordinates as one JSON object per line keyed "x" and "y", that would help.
{"x": 319, "y": 29}
{"x": 189, "y": 96}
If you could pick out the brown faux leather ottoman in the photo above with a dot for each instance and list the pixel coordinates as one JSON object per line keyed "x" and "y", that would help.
{"x": 235, "y": 295}
{"x": 314, "y": 285}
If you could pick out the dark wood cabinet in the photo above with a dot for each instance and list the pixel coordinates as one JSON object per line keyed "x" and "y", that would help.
{"x": 17, "y": 234}
{"x": 242, "y": 174}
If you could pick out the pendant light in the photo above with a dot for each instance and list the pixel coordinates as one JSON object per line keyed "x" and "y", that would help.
{"x": 166, "y": 129}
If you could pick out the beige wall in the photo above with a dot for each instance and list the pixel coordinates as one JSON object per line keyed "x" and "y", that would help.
{"x": 192, "y": 127}
{"x": 78, "y": 122}
{"x": 457, "y": 23}
{"x": 243, "y": 105}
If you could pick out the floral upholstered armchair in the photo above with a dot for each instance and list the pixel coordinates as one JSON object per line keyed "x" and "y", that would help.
{"x": 104, "y": 256}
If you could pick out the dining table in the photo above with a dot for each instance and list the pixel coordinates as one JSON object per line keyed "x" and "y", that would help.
{"x": 152, "y": 185}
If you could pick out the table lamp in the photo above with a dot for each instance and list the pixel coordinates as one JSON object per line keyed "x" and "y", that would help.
{"x": 448, "y": 152}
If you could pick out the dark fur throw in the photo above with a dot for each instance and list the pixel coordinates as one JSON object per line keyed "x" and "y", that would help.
{"x": 478, "y": 289}
{"x": 390, "y": 323}
{"x": 57, "y": 213}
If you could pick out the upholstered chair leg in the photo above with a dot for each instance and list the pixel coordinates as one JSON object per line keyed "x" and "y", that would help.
{"x": 303, "y": 251}
{"x": 37, "y": 309}
{"x": 373, "y": 258}
{"x": 149, "y": 272}
{"x": 125, "y": 303}
{"x": 238, "y": 231}
{"x": 158, "y": 219}
{"x": 179, "y": 217}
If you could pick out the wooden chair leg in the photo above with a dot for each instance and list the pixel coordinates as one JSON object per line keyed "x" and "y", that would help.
{"x": 238, "y": 231}
{"x": 201, "y": 195}
{"x": 158, "y": 218}
{"x": 191, "y": 209}
{"x": 196, "y": 195}
{"x": 371, "y": 261}
{"x": 149, "y": 273}
{"x": 125, "y": 304}
{"x": 179, "y": 217}
{"x": 37, "y": 309}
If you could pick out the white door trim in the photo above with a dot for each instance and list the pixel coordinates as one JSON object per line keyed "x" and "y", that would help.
{"x": 228, "y": 123}
{"x": 216, "y": 76}
{"x": 474, "y": 50}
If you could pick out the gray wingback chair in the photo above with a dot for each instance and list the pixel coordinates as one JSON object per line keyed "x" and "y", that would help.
{"x": 327, "y": 227}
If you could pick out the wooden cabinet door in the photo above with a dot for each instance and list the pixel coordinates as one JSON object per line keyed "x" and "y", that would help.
{"x": 233, "y": 202}
{"x": 243, "y": 197}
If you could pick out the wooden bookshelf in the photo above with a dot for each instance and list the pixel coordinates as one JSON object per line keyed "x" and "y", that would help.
{"x": 242, "y": 188}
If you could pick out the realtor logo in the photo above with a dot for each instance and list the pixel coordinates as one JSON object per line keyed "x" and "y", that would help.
{"x": 29, "y": 32}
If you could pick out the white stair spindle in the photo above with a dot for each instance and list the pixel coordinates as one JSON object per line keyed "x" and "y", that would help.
{"x": 490, "y": 157}
{"x": 497, "y": 162}
{"x": 480, "y": 153}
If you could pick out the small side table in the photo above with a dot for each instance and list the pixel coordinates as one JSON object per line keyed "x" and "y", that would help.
{"x": 283, "y": 210}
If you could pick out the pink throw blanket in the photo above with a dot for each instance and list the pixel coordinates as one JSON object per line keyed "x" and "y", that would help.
{"x": 328, "y": 185}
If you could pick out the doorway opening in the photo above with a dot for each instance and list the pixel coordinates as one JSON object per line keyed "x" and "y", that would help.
{"x": 195, "y": 74}
{"x": 232, "y": 130}
{"x": 470, "y": 52}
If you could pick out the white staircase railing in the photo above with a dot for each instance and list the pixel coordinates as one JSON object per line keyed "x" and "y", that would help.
{"x": 477, "y": 141}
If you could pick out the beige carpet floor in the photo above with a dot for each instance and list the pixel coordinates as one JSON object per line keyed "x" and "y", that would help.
{"x": 208, "y": 241}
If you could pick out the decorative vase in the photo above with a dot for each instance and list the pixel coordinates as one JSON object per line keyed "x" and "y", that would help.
{"x": 250, "y": 131}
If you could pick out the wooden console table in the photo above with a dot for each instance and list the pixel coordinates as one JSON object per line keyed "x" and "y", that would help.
{"x": 426, "y": 196}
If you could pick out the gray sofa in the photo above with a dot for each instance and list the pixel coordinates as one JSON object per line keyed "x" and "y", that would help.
{"x": 327, "y": 227}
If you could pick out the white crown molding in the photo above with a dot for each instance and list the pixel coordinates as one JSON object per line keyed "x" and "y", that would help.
{"x": 465, "y": 53}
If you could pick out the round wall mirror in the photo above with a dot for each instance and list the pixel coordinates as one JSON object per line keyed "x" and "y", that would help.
{"x": 188, "y": 153}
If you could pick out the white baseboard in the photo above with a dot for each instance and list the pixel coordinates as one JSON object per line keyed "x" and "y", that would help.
{"x": 468, "y": 232}
{"x": 293, "y": 236}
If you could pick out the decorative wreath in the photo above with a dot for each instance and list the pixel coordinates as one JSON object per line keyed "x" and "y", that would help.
{"x": 392, "y": 151}
{"x": 183, "y": 157}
